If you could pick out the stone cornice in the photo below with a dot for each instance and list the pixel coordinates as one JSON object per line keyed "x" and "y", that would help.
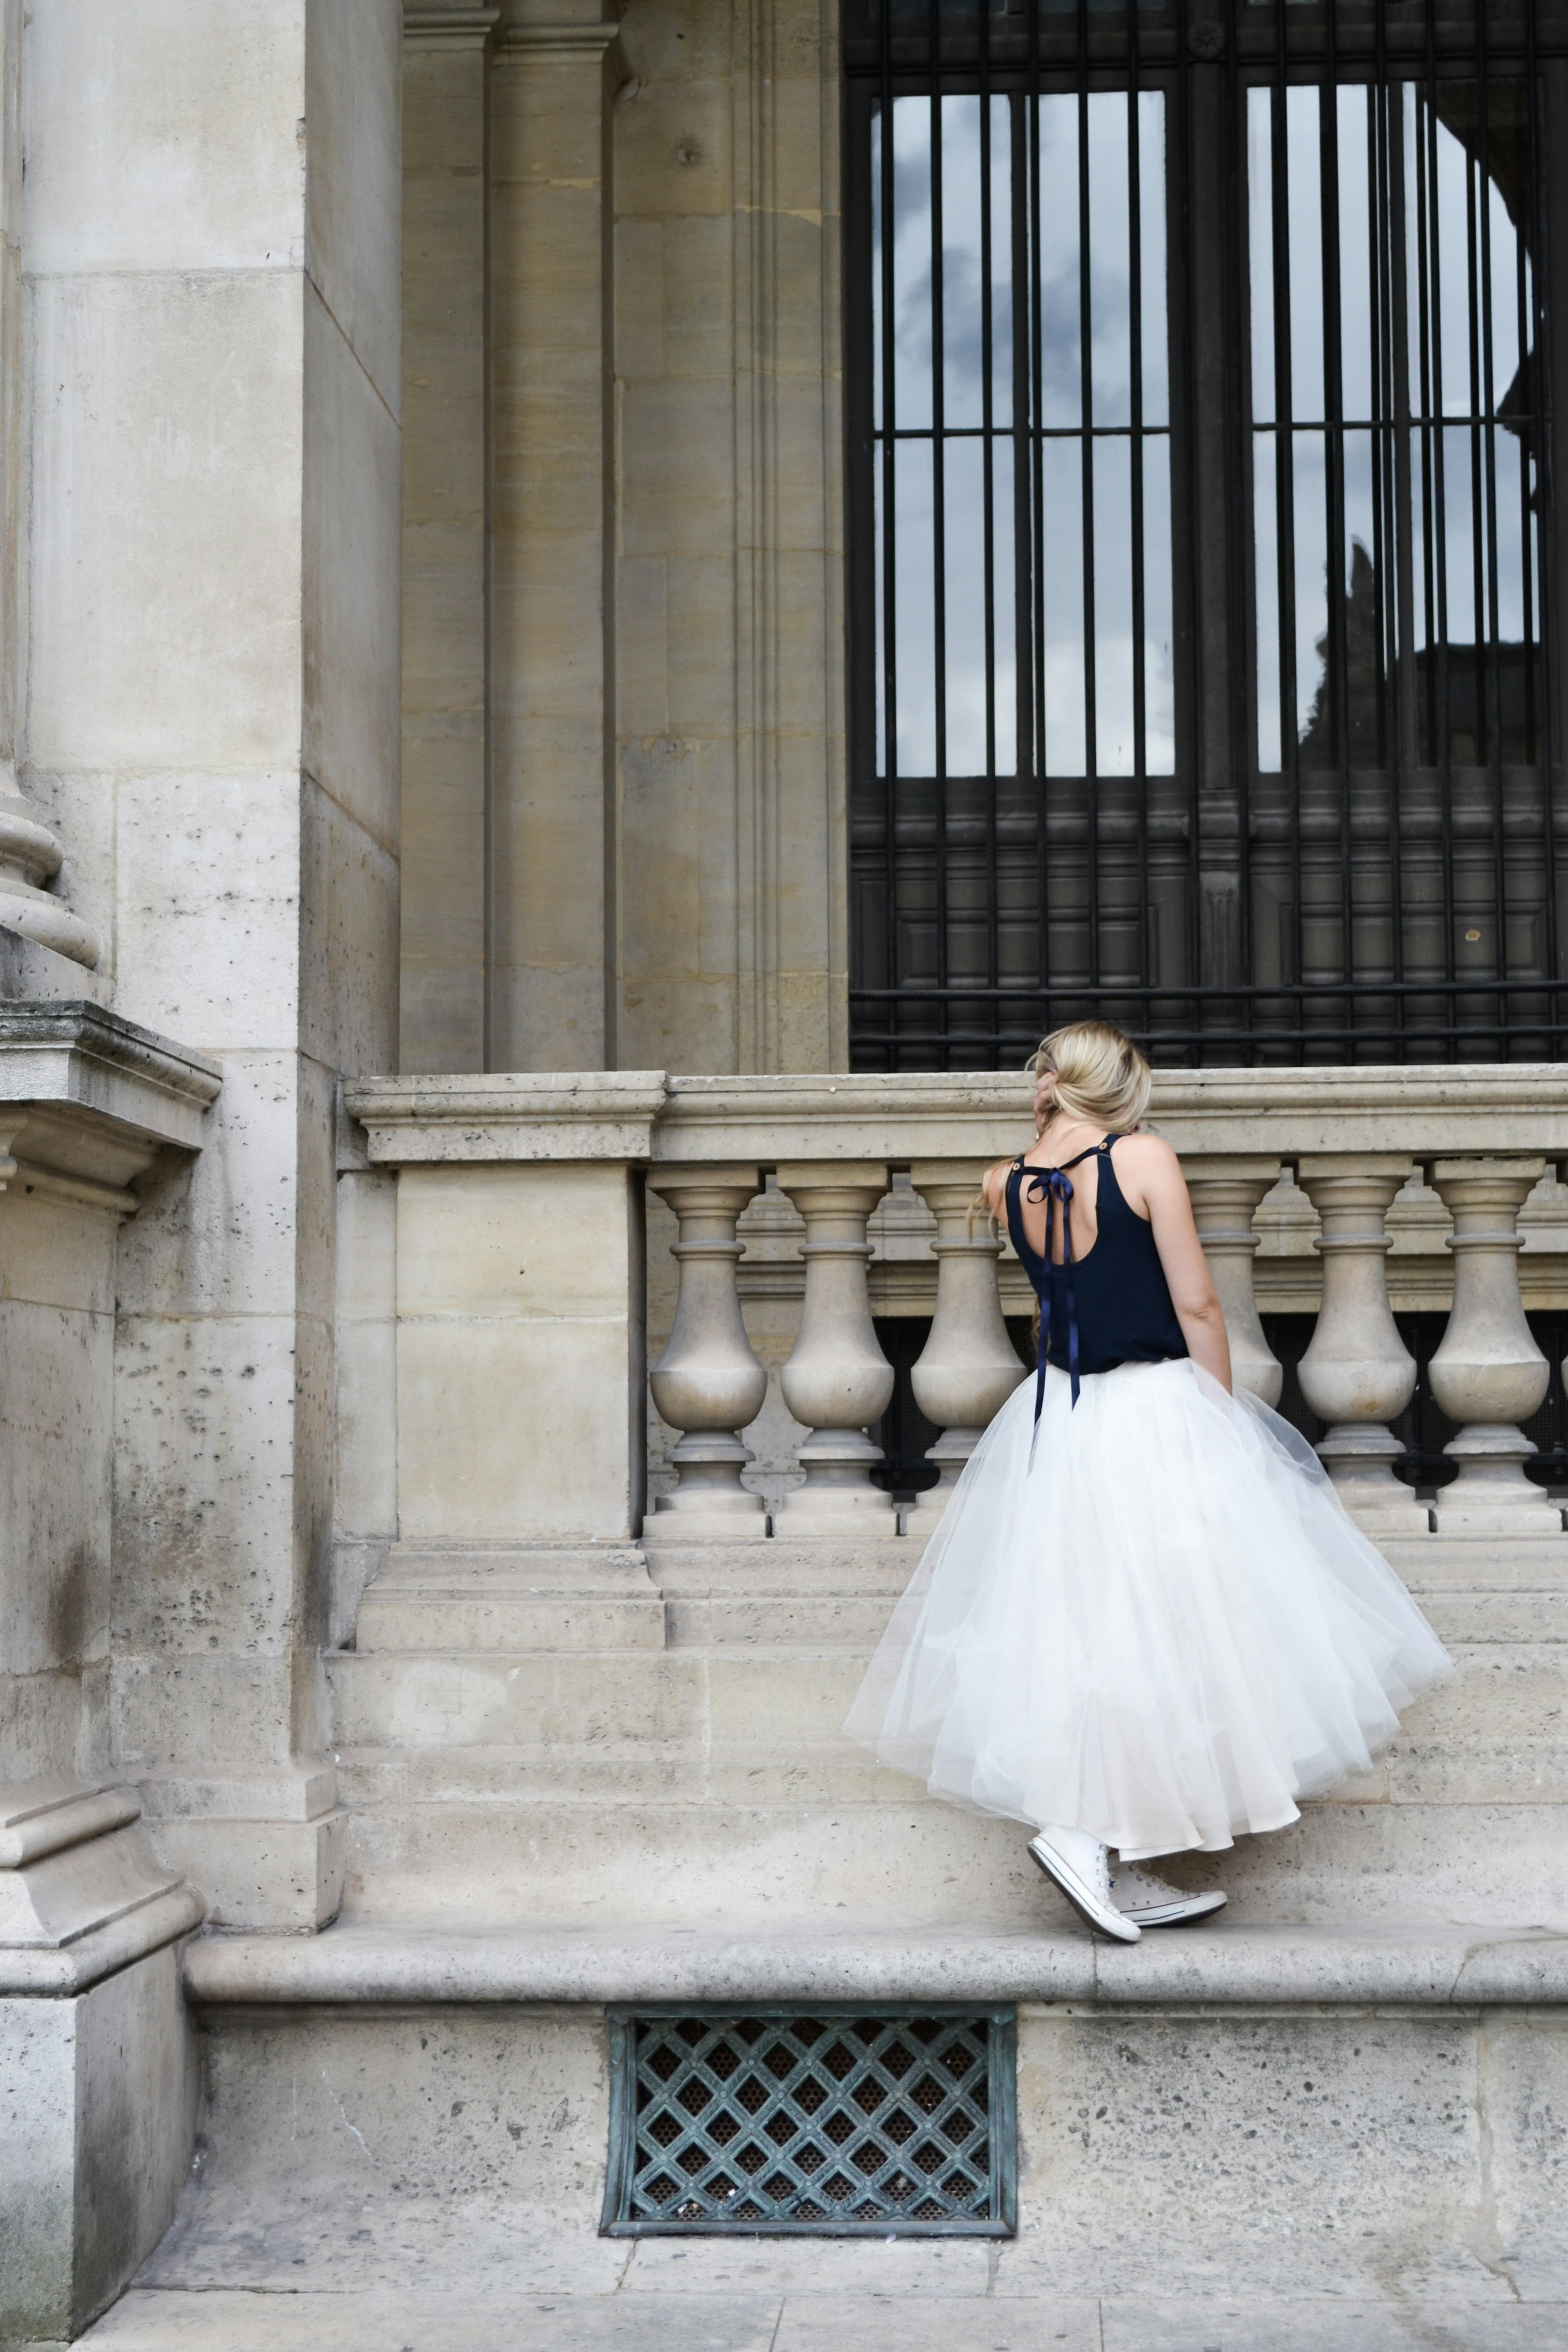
{"x": 1423, "y": 1113}
{"x": 428, "y": 25}
{"x": 510, "y": 1115}
{"x": 563, "y": 35}
{"x": 87, "y": 1098}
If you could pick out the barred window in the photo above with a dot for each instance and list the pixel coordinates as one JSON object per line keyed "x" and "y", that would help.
{"x": 1201, "y": 543}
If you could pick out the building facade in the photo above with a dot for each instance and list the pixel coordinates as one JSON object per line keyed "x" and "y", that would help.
{"x": 602, "y": 617}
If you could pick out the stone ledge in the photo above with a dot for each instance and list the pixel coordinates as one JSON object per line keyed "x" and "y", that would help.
{"x": 503, "y": 1115}
{"x": 87, "y": 1098}
{"x": 1239, "y": 1967}
{"x": 60, "y": 1973}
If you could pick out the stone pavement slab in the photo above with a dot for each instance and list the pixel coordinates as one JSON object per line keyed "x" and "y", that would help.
{"x": 161, "y": 2320}
{"x": 165, "y": 2320}
{"x": 1325, "y": 2324}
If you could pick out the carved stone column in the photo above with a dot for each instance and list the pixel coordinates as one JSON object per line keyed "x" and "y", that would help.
{"x": 1489, "y": 1374}
{"x": 707, "y": 1382}
{"x": 1358, "y": 1374}
{"x": 1224, "y": 1194}
{"x": 553, "y": 811}
{"x": 837, "y": 1379}
{"x": 444, "y": 1020}
{"x": 968, "y": 1368}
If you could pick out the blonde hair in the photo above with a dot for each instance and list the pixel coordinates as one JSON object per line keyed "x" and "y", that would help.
{"x": 1097, "y": 1075}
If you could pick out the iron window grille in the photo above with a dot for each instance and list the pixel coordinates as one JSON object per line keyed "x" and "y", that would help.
{"x": 1201, "y": 548}
{"x": 839, "y": 2123}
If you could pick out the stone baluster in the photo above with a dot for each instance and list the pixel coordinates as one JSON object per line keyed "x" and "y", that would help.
{"x": 1224, "y": 1194}
{"x": 836, "y": 1379}
{"x": 969, "y": 1367}
{"x": 1489, "y": 1374}
{"x": 707, "y": 1384}
{"x": 1358, "y": 1374}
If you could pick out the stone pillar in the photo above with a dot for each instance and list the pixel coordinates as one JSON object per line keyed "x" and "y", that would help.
{"x": 968, "y": 1368}
{"x": 708, "y": 1383}
{"x": 836, "y": 1379}
{"x": 1489, "y": 1374}
{"x": 446, "y": 598}
{"x": 728, "y": 569}
{"x": 552, "y": 683}
{"x": 521, "y": 1369}
{"x": 30, "y": 851}
{"x": 212, "y": 248}
{"x": 1358, "y": 1374}
{"x": 1224, "y": 1194}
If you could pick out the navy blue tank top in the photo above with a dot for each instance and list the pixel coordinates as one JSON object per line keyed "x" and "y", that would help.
{"x": 1112, "y": 1308}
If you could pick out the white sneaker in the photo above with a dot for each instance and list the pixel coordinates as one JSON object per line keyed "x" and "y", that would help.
{"x": 1080, "y": 1867}
{"x": 1140, "y": 1894}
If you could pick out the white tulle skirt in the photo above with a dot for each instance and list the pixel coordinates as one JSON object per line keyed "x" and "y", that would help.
{"x": 1164, "y": 1629}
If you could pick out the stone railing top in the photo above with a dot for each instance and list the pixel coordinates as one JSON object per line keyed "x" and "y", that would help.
{"x": 510, "y": 1115}
{"x": 1420, "y": 1111}
{"x": 88, "y": 1097}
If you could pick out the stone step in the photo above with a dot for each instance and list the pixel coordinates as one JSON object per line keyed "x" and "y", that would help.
{"x": 403, "y": 2132}
{"x": 786, "y": 1700}
{"x": 822, "y": 1593}
{"x": 921, "y": 1862}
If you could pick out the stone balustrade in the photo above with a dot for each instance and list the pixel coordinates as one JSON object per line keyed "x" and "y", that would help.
{"x": 800, "y": 1205}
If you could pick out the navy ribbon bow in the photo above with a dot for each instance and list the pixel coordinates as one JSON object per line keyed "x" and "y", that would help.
{"x": 1049, "y": 1184}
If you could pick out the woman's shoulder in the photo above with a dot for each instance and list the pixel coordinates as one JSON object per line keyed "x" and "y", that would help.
{"x": 1146, "y": 1155}
{"x": 993, "y": 1184}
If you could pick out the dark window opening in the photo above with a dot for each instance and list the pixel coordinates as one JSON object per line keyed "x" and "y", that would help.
{"x": 1202, "y": 550}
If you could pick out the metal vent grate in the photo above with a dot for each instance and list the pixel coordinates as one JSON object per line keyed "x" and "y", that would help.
{"x": 842, "y": 2123}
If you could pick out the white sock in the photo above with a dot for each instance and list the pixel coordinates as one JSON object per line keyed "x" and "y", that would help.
{"x": 1084, "y": 1852}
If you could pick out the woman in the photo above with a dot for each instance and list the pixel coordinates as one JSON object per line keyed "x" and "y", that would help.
{"x": 1145, "y": 1620}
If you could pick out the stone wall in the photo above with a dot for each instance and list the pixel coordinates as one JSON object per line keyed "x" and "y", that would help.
{"x": 210, "y": 263}
{"x": 625, "y": 365}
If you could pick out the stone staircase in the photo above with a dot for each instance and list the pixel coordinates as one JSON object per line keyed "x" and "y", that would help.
{"x": 653, "y": 1733}
{"x": 616, "y": 1774}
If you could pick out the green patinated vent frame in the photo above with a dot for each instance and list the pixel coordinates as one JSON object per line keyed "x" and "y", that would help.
{"x": 833, "y": 2121}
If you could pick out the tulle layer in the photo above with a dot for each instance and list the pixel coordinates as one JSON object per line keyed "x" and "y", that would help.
{"x": 1163, "y": 1629}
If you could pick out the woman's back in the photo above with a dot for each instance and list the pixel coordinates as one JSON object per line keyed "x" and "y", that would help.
{"x": 1105, "y": 1287}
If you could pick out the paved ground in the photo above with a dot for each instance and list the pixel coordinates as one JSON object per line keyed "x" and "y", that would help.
{"x": 814, "y": 2296}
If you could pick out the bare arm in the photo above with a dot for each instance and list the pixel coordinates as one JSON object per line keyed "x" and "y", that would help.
{"x": 1155, "y": 1186}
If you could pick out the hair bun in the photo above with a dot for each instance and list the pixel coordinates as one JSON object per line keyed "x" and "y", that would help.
{"x": 1095, "y": 1072}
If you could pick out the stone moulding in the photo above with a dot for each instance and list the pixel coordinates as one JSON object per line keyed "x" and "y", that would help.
{"x": 80, "y": 1894}
{"x": 87, "y": 1098}
{"x": 647, "y": 1116}
{"x": 432, "y": 27}
{"x": 1242, "y": 1966}
{"x": 30, "y": 856}
{"x": 505, "y": 1114}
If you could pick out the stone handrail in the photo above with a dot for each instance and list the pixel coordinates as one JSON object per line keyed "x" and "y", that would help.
{"x": 1351, "y": 1143}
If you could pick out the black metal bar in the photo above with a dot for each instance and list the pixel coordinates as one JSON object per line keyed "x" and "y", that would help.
{"x": 1391, "y": 406}
{"x": 1135, "y": 413}
{"x": 1218, "y": 992}
{"x": 1437, "y": 621}
{"x": 1542, "y": 406}
{"x": 988, "y": 504}
{"x": 1337, "y": 664}
{"x": 1236, "y": 250}
{"x": 1086, "y": 417}
{"x": 1032, "y": 552}
{"x": 939, "y": 500}
{"x": 1285, "y": 495}
{"x": 889, "y": 422}
{"x": 1489, "y": 557}
{"x": 1185, "y": 229}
